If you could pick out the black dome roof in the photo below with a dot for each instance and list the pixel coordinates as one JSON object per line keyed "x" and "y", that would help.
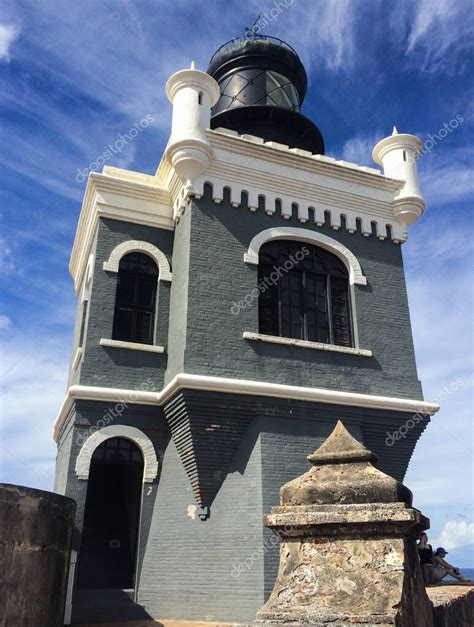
{"x": 269, "y": 51}
{"x": 263, "y": 84}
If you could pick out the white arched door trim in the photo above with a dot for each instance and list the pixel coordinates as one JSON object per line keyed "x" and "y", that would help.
{"x": 83, "y": 461}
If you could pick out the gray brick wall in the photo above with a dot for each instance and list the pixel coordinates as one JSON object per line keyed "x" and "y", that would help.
{"x": 114, "y": 367}
{"x": 194, "y": 569}
{"x": 63, "y": 456}
{"x": 179, "y": 298}
{"x": 204, "y": 336}
{"x": 222, "y": 568}
{"x": 218, "y": 277}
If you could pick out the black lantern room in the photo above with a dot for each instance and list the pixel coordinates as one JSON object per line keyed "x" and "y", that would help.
{"x": 263, "y": 84}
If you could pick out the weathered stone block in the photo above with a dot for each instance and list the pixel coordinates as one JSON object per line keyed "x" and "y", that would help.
{"x": 348, "y": 552}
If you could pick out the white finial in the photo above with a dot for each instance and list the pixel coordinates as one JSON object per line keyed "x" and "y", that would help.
{"x": 394, "y": 132}
{"x": 193, "y": 66}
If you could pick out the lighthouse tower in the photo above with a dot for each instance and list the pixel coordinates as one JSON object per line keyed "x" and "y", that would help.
{"x": 232, "y": 308}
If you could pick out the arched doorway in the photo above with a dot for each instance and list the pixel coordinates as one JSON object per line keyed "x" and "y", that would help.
{"x": 108, "y": 551}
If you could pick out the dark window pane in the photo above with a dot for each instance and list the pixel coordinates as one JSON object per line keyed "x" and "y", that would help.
{"x": 83, "y": 323}
{"x": 123, "y": 327}
{"x": 311, "y": 298}
{"x": 135, "y": 299}
{"x": 340, "y": 312}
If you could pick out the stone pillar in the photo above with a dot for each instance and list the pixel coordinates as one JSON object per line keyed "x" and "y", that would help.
{"x": 348, "y": 544}
{"x": 35, "y": 543}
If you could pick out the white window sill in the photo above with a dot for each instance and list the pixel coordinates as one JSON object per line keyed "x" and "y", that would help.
{"x": 288, "y": 341}
{"x": 77, "y": 357}
{"x": 134, "y": 346}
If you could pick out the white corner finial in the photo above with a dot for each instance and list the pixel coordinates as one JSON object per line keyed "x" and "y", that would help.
{"x": 193, "y": 65}
{"x": 398, "y": 155}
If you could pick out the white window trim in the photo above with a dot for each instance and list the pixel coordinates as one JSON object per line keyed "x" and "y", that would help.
{"x": 136, "y": 346}
{"x": 77, "y": 357}
{"x": 288, "y": 341}
{"x": 138, "y": 246}
{"x": 356, "y": 275}
{"x": 83, "y": 461}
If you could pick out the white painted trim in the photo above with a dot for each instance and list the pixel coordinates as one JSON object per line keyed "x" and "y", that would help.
{"x": 77, "y": 357}
{"x": 133, "y": 434}
{"x": 238, "y": 386}
{"x": 288, "y": 341}
{"x": 133, "y": 246}
{"x": 119, "y": 195}
{"x": 308, "y": 187}
{"x": 136, "y": 346}
{"x": 70, "y": 586}
{"x": 356, "y": 275}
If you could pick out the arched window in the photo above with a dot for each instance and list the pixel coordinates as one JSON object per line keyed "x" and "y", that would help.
{"x": 135, "y": 299}
{"x": 304, "y": 293}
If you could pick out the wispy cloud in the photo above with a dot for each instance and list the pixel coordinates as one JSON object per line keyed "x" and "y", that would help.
{"x": 5, "y": 322}
{"x": 8, "y": 35}
{"x": 438, "y": 28}
{"x": 358, "y": 149}
{"x": 322, "y": 31}
{"x": 27, "y": 449}
{"x": 6, "y": 258}
{"x": 447, "y": 183}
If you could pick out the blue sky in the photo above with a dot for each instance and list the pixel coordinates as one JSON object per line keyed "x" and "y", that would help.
{"x": 73, "y": 76}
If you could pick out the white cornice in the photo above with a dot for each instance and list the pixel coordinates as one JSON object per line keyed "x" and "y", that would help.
{"x": 244, "y": 164}
{"x": 247, "y": 164}
{"x": 121, "y": 195}
{"x": 238, "y": 386}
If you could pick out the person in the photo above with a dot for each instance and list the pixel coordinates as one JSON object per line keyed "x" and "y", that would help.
{"x": 443, "y": 568}
{"x": 425, "y": 553}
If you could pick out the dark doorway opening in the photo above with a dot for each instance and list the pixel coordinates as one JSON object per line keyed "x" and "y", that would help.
{"x": 108, "y": 551}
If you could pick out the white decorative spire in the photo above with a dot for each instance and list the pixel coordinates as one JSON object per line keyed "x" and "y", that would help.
{"x": 192, "y": 94}
{"x": 397, "y": 155}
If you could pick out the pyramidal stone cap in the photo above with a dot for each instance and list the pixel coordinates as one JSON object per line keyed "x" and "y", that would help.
{"x": 343, "y": 473}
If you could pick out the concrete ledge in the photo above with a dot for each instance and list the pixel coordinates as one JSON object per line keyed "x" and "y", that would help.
{"x": 148, "y": 348}
{"x": 238, "y": 386}
{"x": 453, "y": 604}
{"x": 288, "y": 341}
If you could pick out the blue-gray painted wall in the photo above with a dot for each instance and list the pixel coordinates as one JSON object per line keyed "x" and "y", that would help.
{"x": 218, "y": 277}
{"x": 186, "y": 567}
{"x": 222, "y": 568}
{"x": 202, "y": 335}
{"x": 116, "y": 367}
